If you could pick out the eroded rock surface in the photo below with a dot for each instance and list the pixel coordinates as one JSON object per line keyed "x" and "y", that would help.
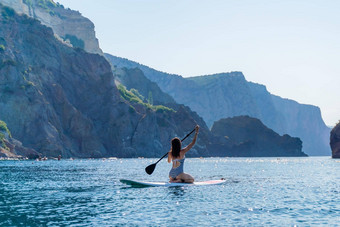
{"x": 68, "y": 24}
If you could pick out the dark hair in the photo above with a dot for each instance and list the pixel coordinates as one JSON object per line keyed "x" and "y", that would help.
{"x": 176, "y": 147}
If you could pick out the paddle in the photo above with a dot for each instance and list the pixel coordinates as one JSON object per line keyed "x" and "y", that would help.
{"x": 149, "y": 169}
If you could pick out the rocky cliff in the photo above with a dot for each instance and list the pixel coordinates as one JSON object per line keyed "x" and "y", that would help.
{"x": 335, "y": 141}
{"x": 60, "y": 100}
{"x": 63, "y": 101}
{"x": 250, "y": 137}
{"x": 304, "y": 121}
{"x": 288, "y": 116}
{"x": 229, "y": 94}
{"x": 135, "y": 79}
{"x": 218, "y": 145}
{"x": 12, "y": 148}
{"x": 67, "y": 24}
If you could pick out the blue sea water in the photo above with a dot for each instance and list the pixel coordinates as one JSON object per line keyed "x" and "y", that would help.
{"x": 258, "y": 192}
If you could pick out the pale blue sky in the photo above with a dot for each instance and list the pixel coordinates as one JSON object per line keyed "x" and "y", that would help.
{"x": 292, "y": 47}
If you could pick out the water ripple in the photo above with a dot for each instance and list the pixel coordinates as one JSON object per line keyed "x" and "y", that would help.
{"x": 258, "y": 191}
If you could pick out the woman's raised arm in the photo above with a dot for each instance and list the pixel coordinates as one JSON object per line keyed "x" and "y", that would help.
{"x": 187, "y": 148}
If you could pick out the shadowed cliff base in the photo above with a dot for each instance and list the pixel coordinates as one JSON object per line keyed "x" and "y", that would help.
{"x": 335, "y": 141}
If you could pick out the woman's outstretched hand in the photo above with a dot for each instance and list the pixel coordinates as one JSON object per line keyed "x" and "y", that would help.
{"x": 197, "y": 128}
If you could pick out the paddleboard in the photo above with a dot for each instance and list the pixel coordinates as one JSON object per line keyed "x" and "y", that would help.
{"x": 168, "y": 184}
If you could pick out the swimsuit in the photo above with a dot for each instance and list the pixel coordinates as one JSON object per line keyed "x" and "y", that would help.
{"x": 174, "y": 172}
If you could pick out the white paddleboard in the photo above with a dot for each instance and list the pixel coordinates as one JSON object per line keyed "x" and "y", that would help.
{"x": 168, "y": 184}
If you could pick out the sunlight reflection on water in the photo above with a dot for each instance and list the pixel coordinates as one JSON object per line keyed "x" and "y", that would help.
{"x": 258, "y": 191}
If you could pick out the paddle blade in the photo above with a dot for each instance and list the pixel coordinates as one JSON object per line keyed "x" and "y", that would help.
{"x": 149, "y": 169}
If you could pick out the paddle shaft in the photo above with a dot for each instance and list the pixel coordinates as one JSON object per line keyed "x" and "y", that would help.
{"x": 181, "y": 141}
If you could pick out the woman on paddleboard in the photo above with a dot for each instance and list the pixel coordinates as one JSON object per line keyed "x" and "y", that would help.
{"x": 177, "y": 156}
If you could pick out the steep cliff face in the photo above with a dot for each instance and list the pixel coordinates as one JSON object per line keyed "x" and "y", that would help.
{"x": 304, "y": 121}
{"x": 267, "y": 110}
{"x": 228, "y": 94}
{"x": 46, "y": 91}
{"x": 69, "y": 25}
{"x": 60, "y": 100}
{"x": 288, "y": 116}
{"x": 250, "y": 137}
{"x": 217, "y": 96}
{"x": 335, "y": 141}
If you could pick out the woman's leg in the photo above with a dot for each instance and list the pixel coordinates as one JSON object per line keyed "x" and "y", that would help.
{"x": 175, "y": 180}
{"x": 186, "y": 178}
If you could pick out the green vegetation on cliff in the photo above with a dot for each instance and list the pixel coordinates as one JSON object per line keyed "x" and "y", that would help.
{"x": 3, "y": 129}
{"x": 75, "y": 41}
{"x": 133, "y": 96}
{"x": 136, "y": 92}
{"x": 2, "y": 143}
{"x": 47, "y": 5}
{"x": 7, "y": 13}
{"x": 2, "y": 44}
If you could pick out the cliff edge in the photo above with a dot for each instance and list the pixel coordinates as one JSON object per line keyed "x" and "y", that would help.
{"x": 67, "y": 24}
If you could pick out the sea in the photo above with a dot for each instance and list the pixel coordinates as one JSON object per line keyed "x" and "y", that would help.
{"x": 87, "y": 192}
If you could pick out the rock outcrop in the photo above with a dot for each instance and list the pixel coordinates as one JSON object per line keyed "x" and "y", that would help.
{"x": 12, "y": 148}
{"x": 229, "y": 94}
{"x": 251, "y": 138}
{"x": 68, "y": 24}
{"x": 335, "y": 141}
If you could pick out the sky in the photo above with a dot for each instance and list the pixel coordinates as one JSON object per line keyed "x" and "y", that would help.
{"x": 292, "y": 46}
